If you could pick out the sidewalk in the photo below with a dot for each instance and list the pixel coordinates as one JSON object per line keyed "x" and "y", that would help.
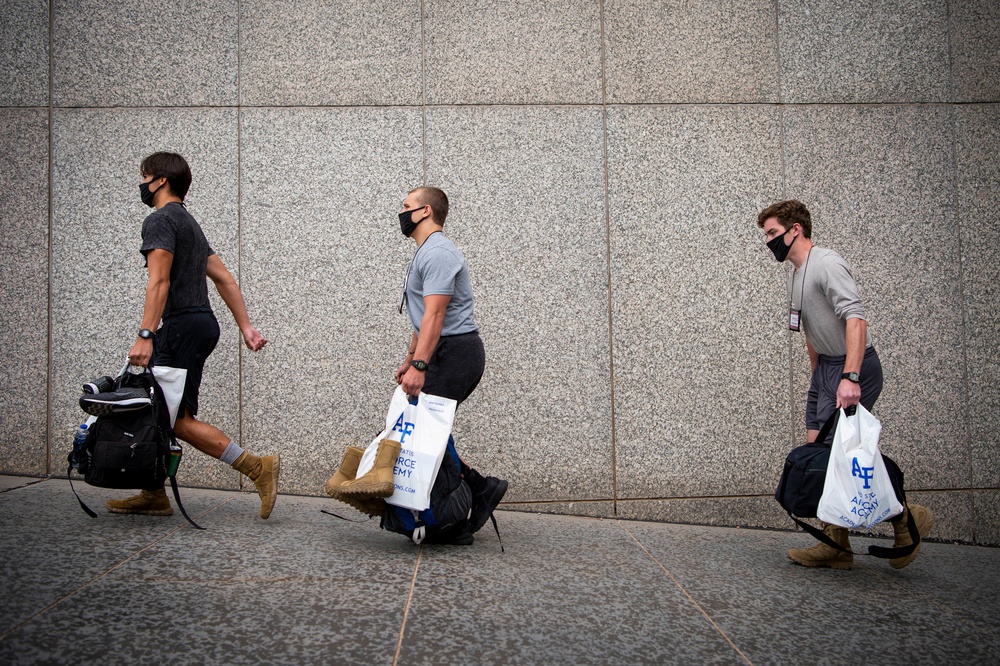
{"x": 306, "y": 588}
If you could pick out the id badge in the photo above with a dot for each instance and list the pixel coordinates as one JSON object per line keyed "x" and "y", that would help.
{"x": 793, "y": 319}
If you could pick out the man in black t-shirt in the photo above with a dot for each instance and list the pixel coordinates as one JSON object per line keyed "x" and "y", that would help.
{"x": 179, "y": 258}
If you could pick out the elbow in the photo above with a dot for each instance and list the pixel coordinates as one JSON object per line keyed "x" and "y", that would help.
{"x": 159, "y": 284}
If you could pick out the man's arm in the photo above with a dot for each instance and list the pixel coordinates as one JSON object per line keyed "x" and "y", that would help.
{"x": 430, "y": 333}
{"x": 849, "y": 393}
{"x": 233, "y": 297}
{"x": 159, "y": 263}
{"x": 402, "y": 370}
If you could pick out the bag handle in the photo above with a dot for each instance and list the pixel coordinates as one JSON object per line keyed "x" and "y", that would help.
{"x": 828, "y": 428}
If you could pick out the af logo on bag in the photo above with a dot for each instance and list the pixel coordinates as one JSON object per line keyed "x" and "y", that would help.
{"x": 403, "y": 427}
{"x": 864, "y": 473}
{"x": 422, "y": 427}
{"x": 857, "y": 491}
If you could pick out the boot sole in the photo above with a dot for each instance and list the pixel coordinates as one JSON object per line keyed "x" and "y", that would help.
{"x": 842, "y": 566}
{"x": 365, "y": 506}
{"x": 143, "y": 512}
{"x": 368, "y": 491}
{"x": 332, "y": 488}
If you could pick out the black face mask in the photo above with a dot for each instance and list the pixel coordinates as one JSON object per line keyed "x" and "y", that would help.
{"x": 406, "y": 223}
{"x": 145, "y": 194}
{"x": 778, "y": 247}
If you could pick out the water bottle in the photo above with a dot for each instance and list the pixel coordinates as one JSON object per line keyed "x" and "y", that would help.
{"x": 174, "y": 459}
{"x": 80, "y": 442}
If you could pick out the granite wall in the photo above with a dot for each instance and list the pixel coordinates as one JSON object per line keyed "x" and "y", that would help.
{"x": 605, "y": 160}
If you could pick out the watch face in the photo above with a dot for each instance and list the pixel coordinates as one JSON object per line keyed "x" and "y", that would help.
{"x": 419, "y": 365}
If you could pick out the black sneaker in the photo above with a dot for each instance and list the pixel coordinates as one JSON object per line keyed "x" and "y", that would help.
{"x": 104, "y": 384}
{"x": 122, "y": 400}
{"x": 460, "y": 536}
{"x": 484, "y": 500}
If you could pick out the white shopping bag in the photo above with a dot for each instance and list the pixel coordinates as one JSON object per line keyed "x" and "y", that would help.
{"x": 857, "y": 491}
{"x": 171, "y": 382}
{"x": 422, "y": 430}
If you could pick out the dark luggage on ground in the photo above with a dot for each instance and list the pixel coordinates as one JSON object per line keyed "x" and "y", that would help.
{"x": 447, "y": 518}
{"x": 131, "y": 445}
{"x": 801, "y": 487}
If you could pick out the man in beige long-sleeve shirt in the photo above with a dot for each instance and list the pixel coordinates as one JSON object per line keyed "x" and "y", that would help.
{"x": 824, "y": 304}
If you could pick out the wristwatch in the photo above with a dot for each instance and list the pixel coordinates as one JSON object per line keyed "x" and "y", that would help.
{"x": 146, "y": 334}
{"x": 851, "y": 377}
{"x": 419, "y": 365}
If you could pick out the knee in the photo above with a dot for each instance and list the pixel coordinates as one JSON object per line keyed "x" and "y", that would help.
{"x": 182, "y": 426}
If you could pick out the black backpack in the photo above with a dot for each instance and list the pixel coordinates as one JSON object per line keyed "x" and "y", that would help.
{"x": 447, "y": 518}
{"x": 801, "y": 487}
{"x": 131, "y": 447}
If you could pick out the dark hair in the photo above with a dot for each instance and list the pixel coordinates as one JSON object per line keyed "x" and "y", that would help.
{"x": 436, "y": 199}
{"x": 171, "y": 166}
{"x": 788, "y": 213}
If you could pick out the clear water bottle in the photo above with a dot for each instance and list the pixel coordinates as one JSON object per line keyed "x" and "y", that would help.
{"x": 79, "y": 445}
{"x": 80, "y": 442}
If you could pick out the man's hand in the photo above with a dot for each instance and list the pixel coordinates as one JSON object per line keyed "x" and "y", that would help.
{"x": 253, "y": 339}
{"x": 141, "y": 352}
{"x": 413, "y": 382}
{"x": 848, "y": 394}
{"x": 400, "y": 371}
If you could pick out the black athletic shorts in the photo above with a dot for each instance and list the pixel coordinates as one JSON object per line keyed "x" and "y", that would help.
{"x": 185, "y": 340}
{"x": 455, "y": 368}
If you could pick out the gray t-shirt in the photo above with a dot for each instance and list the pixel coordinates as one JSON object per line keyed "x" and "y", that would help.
{"x": 828, "y": 298}
{"x": 438, "y": 268}
{"x": 172, "y": 228}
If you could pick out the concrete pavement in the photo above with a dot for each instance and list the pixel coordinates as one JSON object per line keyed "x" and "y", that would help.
{"x": 306, "y": 588}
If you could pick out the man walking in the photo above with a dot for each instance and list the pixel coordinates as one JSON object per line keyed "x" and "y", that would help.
{"x": 446, "y": 356}
{"x": 846, "y": 371}
{"x": 179, "y": 258}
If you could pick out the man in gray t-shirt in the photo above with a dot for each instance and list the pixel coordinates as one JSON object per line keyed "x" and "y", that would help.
{"x": 446, "y": 356}
{"x": 824, "y": 304}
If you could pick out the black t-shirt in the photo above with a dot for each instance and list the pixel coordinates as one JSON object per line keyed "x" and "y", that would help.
{"x": 172, "y": 228}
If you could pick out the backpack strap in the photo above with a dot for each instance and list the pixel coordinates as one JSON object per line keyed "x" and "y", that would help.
{"x": 497, "y": 530}
{"x": 828, "y": 428}
{"x": 893, "y": 553}
{"x": 881, "y": 552}
{"x": 167, "y": 436}
{"x": 69, "y": 475}
{"x": 177, "y": 497}
{"x": 419, "y": 529}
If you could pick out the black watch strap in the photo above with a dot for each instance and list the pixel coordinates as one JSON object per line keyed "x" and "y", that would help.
{"x": 418, "y": 364}
{"x": 851, "y": 377}
{"x": 146, "y": 334}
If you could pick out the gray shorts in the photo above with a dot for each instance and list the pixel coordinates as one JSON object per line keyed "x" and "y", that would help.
{"x": 822, "y": 400}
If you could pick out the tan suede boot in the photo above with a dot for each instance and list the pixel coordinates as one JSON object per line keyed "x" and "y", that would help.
{"x": 346, "y": 472}
{"x": 924, "y": 520}
{"x": 264, "y": 474}
{"x": 822, "y": 555}
{"x": 147, "y": 502}
{"x": 378, "y": 481}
